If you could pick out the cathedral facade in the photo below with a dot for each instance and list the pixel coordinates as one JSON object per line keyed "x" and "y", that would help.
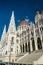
{"x": 27, "y": 38}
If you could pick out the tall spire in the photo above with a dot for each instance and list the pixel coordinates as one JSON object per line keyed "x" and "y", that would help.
{"x": 12, "y": 19}
{"x": 12, "y": 26}
{"x": 4, "y": 33}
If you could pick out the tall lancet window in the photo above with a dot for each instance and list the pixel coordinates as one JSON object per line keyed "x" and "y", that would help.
{"x": 12, "y": 40}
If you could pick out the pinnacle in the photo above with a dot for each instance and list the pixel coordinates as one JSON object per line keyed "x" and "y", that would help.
{"x": 12, "y": 13}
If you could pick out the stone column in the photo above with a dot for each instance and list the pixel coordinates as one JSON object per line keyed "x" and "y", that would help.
{"x": 40, "y": 32}
{"x": 22, "y": 48}
{"x": 35, "y": 39}
{"x": 27, "y": 46}
{"x": 27, "y": 43}
{"x": 31, "y": 49}
{"x": 36, "y": 46}
{"x": 42, "y": 41}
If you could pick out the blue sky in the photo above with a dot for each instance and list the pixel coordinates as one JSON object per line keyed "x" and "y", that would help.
{"x": 22, "y": 9}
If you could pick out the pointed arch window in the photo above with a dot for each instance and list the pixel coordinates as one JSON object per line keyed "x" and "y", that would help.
{"x": 6, "y": 53}
{"x": 12, "y": 39}
{"x": 11, "y": 49}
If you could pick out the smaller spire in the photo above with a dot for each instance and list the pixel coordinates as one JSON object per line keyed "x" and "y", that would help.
{"x": 4, "y": 33}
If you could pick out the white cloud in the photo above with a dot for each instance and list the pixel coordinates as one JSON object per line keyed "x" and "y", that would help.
{"x": 18, "y": 21}
{"x": 27, "y": 20}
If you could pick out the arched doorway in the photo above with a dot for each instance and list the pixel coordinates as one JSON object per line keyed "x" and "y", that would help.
{"x": 42, "y": 41}
{"x": 23, "y": 47}
{"x": 29, "y": 46}
{"x": 33, "y": 44}
{"x": 26, "y": 46}
{"x": 42, "y": 38}
{"x": 39, "y": 43}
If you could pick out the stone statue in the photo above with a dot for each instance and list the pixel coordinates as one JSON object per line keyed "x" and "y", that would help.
{"x": 37, "y": 17}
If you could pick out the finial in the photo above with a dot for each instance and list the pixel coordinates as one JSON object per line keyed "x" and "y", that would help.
{"x": 12, "y": 13}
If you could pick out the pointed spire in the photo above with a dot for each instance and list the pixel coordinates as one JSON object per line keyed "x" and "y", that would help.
{"x": 12, "y": 14}
{"x": 12, "y": 23}
{"x": 4, "y": 33}
{"x": 12, "y": 18}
